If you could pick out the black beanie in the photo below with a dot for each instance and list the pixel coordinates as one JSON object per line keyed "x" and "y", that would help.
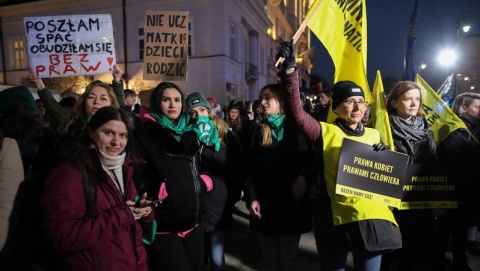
{"x": 343, "y": 90}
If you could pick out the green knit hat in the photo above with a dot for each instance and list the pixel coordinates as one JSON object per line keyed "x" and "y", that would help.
{"x": 18, "y": 101}
{"x": 197, "y": 99}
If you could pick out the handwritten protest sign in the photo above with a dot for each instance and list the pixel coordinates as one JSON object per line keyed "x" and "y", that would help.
{"x": 365, "y": 173}
{"x": 166, "y": 45}
{"x": 70, "y": 45}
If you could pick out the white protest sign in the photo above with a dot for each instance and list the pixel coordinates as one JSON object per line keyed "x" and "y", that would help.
{"x": 70, "y": 45}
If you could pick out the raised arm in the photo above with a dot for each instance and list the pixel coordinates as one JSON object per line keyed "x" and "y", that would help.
{"x": 46, "y": 96}
{"x": 117, "y": 85}
{"x": 309, "y": 126}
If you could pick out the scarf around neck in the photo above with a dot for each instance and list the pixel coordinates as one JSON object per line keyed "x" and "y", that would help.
{"x": 206, "y": 132}
{"x": 277, "y": 126}
{"x": 408, "y": 132}
{"x": 178, "y": 129}
{"x": 347, "y": 129}
{"x": 113, "y": 166}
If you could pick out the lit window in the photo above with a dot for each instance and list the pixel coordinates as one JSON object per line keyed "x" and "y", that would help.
{"x": 17, "y": 46}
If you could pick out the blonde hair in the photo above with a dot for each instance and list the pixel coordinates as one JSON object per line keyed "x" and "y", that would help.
{"x": 276, "y": 91}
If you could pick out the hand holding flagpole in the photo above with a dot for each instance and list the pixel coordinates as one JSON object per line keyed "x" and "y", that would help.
{"x": 300, "y": 30}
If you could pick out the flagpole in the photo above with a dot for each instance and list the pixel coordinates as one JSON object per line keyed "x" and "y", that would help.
{"x": 412, "y": 34}
{"x": 301, "y": 29}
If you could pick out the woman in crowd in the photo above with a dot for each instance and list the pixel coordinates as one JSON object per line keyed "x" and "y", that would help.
{"x": 343, "y": 223}
{"x": 276, "y": 190}
{"x": 412, "y": 136}
{"x": 220, "y": 157}
{"x": 320, "y": 111}
{"x": 100, "y": 228}
{"x": 216, "y": 107}
{"x": 233, "y": 118}
{"x": 86, "y": 105}
{"x": 459, "y": 153}
{"x": 172, "y": 175}
{"x": 97, "y": 95}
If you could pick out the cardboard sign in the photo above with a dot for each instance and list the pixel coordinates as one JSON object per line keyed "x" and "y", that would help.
{"x": 363, "y": 172}
{"x": 70, "y": 45}
{"x": 428, "y": 186}
{"x": 166, "y": 45}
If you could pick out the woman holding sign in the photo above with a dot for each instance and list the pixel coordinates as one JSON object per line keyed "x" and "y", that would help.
{"x": 413, "y": 136}
{"x": 343, "y": 223}
{"x": 85, "y": 107}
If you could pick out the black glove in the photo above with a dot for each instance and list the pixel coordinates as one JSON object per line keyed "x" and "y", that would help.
{"x": 380, "y": 147}
{"x": 287, "y": 50}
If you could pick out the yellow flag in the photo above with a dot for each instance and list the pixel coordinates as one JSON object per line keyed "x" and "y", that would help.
{"x": 341, "y": 26}
{"x": 439, "y": 115}
{"x": 379, "y": 114}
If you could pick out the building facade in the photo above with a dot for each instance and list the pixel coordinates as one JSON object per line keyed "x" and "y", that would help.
{"x": 231, "y": 51}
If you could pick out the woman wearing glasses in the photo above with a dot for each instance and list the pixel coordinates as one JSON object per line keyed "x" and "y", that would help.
{"x": 342, "y": 223}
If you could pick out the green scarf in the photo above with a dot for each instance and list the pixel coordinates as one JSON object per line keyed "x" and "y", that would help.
{"x": 203, "y": 127}
{"x": 206, "y": 131}
{"x": 276, "y": 124}
{"x": 177, "y": 129}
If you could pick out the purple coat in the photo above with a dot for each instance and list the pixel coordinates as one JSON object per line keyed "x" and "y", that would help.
{"x": 108, "y": 238}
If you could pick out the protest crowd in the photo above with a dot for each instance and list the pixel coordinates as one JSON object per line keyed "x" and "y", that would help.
{"x": 99, "y": 181}
{"x": 112, "y": 185}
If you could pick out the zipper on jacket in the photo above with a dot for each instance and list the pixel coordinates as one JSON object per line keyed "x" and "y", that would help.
{"x": 196, "y": 182}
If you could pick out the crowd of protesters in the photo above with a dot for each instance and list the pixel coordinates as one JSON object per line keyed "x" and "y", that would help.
{"x": 102, "y": 183}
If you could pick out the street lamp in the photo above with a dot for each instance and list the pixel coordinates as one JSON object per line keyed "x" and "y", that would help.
{"x": 419, "y": 68}
{"x": 463, "y": 23}
{"x": 422, "y": 66}
{"x": 448, "y": 58}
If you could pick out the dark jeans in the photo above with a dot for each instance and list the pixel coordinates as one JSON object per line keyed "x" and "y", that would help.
{"x": 170, "y": 252}
{"x": 332, "y": 248}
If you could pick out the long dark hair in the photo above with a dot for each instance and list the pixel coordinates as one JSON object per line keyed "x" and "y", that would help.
{"x": 156, "y": 98}
{"x": 86, "y": 159}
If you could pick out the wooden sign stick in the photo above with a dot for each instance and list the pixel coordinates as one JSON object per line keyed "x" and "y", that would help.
{"x": 300, "y": 30}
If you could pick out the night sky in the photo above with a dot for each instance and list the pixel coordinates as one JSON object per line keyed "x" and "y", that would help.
{"x": 388, "y": 23}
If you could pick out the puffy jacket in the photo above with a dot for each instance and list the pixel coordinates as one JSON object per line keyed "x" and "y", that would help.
{"x": 104, "y": 237}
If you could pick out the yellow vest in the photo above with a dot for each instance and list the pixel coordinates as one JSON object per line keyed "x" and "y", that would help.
{"x": 348, "y": 209}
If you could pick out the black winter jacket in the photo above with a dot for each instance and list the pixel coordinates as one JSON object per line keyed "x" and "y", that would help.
{"x": 175, "y": 164}
{"x": 271, "y": 175}
{"x": 224, "y": 168}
